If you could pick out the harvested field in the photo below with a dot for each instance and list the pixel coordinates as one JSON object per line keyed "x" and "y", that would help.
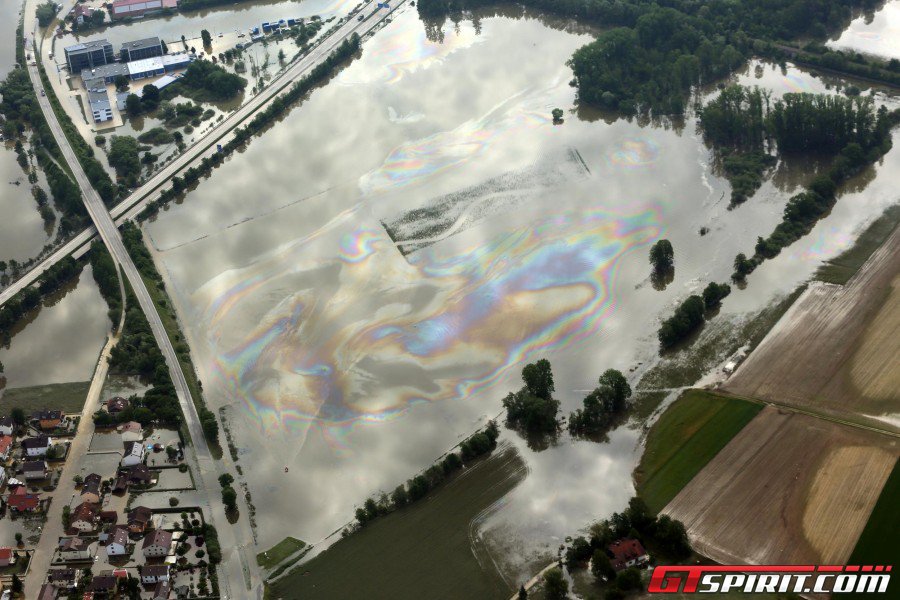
{"x": 842, "y": 346}
{"x": 789, "y": 488}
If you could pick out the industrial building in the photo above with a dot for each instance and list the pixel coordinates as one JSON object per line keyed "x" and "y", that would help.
{"x": 98, "y": 99}
{"x": 134, "y": 8}
{"x": 139, "y": 49}
{"x": 107, "y": 73}
{"x": 88, "y": 55}
{"x": 158, "y": 65}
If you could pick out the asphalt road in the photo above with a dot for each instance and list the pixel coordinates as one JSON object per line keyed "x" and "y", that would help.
{"x": 131, "y": 206}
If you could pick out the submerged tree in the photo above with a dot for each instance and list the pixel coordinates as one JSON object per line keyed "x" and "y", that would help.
{"x": 533, "y": 409}
{"x": 662, "y": 256}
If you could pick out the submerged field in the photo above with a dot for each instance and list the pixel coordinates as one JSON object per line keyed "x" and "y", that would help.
{"x": 431, "y": 549}
{"x": 788, "y": 489}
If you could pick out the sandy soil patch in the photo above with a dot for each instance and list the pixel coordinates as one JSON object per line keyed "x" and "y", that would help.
{"x": 789, "y": 488}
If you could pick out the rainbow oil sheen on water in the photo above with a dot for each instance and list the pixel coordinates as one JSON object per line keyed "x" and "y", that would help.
{"x": 356, "y": 359}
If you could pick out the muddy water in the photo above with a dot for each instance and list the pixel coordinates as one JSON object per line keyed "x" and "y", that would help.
{"x": 60, "y": 341}
{"x": 355, "y": 358}
{"x": 22, "y": 230}
{"x": 875, "y": 33}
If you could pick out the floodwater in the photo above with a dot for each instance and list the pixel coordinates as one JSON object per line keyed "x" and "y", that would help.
{"x": 355, "y": 358}
{"x": 60, "y": 341}
{"x": 875, "y": 33}
{"x": 22, "y": 230}
{"x": 228, "y": 20}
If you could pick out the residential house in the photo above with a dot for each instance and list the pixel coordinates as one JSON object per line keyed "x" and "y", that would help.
{"x": 118, "y": 542}
{"x": 63, "y": 578}
{"x": 157, "y": 543}
{"x": 35, "y": 469}
{"x": 139, "y": 475}
{"x": 104, "y": 586}
{"x": 82, "y": 12}
{"x": 7, "y": 426}
{"x": 161, "y": 591}
{"x": 7, "y": 556}
{"x": 73, "y": 549}
{"x": 20, "y": 500}
{"x": 139, "y": 519}
{"x": 37, "y": 446}
{"x": 133, "y": 455}
{"x": 90, "y": 489}
{"x": 2, "y": 476}
{"x": 48, "y": 592}
{"x": 116, "y": 405}
{"x": 5, "y": 446}
{"x": 109, "y": 516}
{"x": 154, "y": 574}
{"x": 85, "y": 517}
{"x": 627, "y": 552}
{"x": 48, "y": 419}
{"x": 121, "y": 485}
{"x": 131, "y": 431}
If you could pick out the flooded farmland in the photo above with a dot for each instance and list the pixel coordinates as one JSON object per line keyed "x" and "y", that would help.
{"x": 362, "y": 285}
{"x": 876, "y": 33}
{"x": 60, "y": 341}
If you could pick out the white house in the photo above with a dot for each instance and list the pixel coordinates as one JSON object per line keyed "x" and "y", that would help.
{"x": 157, "y": 543}
{"x": 37, "y": 446}
{"x": 2, "y": 476}
{"x": 133, "y": 455}
{"x": 118, "y": 542}
{"x": 34, "y": 469}
{"x": 131, "y": 431}
{"x": 5, "y": 446}
{"x": 85, "y": 516}
{"x": 154, "y": 574}
{"x": 74, "y": 549}
{"x": 6, "y": 426}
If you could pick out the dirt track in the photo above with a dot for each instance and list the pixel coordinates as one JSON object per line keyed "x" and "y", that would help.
{"x": 790, "y": 488}
{"x": 835, "y": 351}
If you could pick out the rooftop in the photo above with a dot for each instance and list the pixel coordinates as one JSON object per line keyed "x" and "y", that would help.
{"x": 150, "y": 42}
{"x": 90, "y": 44}
{"x": 110, "y": 70}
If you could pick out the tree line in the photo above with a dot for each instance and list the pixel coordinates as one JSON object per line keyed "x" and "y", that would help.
{"x": 106, "y": 274}
{"x": 479, "y": 444}
{"x": 691, "y": 314}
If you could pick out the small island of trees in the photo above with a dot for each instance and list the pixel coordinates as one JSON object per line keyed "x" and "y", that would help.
{"x": 533, "y": 409}
{"x": 601, "y": 406}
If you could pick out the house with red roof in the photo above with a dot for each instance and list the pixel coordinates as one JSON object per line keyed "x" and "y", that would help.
{"x": 20, "y": 500}
{"x": 7, "y": 556}
{"x": 627, "y": 552}
{"x": 5, "y": 446}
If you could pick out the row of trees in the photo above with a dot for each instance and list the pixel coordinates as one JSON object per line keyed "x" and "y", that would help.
{"x": 263, "y": 119}
{"x": 690, "y": 314}
{"x": 151, "y": 357}
{"x": 474, "y": 447}
{"x": 106, "y": 274}
{"x": 866, "y": 140}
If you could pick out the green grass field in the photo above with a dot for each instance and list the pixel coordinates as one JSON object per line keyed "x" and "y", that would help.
{"x": 686, "y": 437}
{"x": 67, "y": 397}
{"x": 877, "y": 545}
{"x": 423, "y": 551}
{"x": 840, "y": 269}
{"x": 279, "y": 552}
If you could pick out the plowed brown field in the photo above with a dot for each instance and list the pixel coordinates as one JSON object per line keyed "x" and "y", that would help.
{"x": 836, "y": 350}
{"x": 789, "y": 488}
